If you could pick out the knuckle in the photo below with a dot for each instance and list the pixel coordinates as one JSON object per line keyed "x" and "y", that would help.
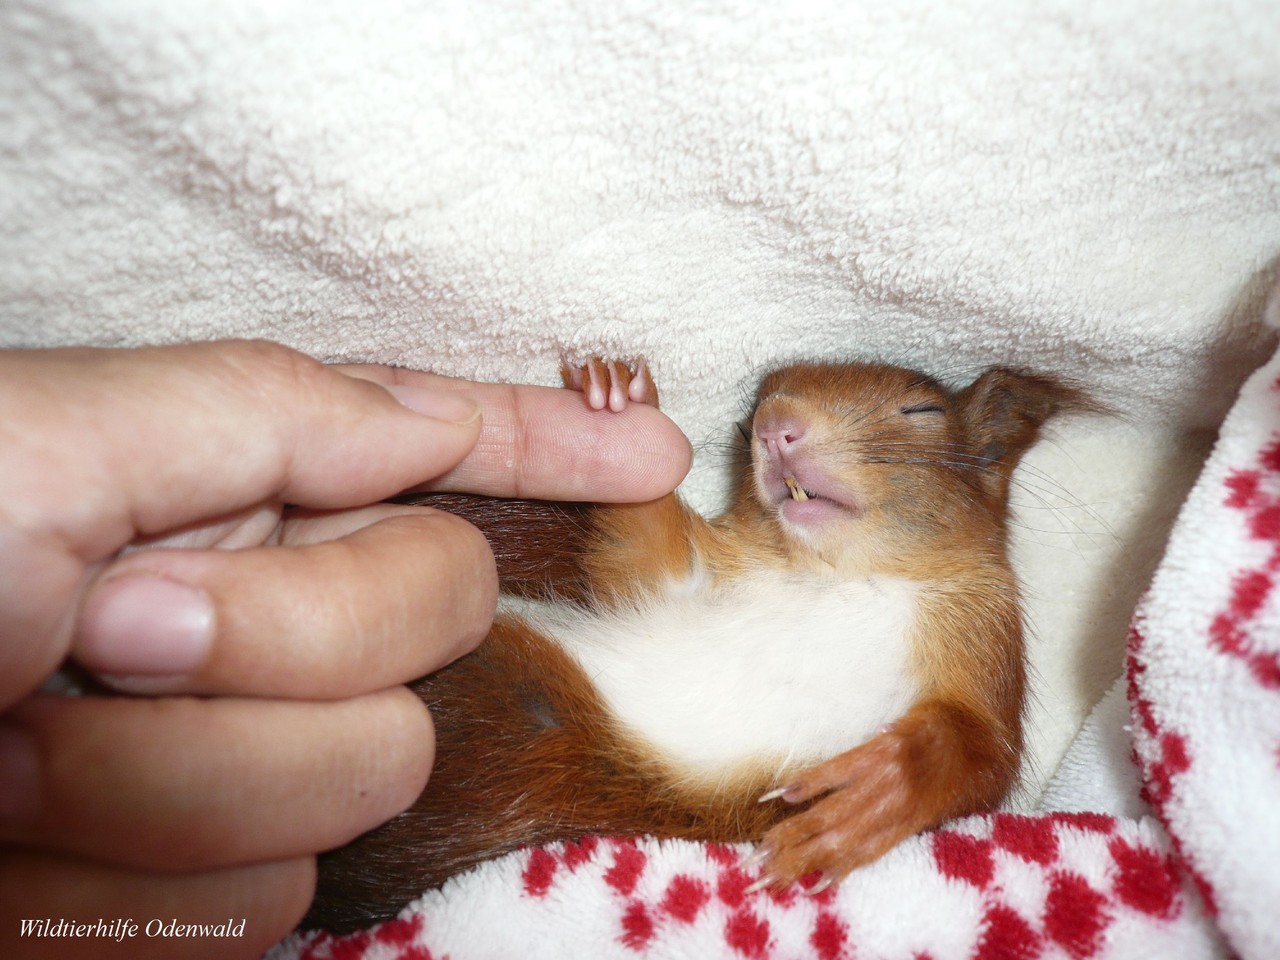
{"x": 524, "y": 422}
{"x": 787, "y": 833}
{"x": 267, "y": 356}
{"x": 263, "y": 366}
{"x": 830, "y": 845}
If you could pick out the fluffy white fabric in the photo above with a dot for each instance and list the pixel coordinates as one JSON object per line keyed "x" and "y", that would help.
{"x": 1085, "y": 188}
{"x": 1106, "y": 893}
{"x": 1204, "y": 674}
{"x": 1098, "y": 774}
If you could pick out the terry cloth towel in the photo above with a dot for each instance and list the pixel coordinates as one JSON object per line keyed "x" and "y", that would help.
{"x": 1090, "y": 189}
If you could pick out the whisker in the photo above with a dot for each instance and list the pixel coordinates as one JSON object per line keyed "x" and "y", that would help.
{"x": 1045, "y": 493}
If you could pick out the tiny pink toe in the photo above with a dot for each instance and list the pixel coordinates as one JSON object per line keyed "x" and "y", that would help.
{"x": 639, "y": 389}
{"x": 617, "y": 394}
{"x": 595, "y": 392}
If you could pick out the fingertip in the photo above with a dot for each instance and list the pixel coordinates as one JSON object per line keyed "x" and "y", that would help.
{"x": 660, "y": 463}
{"x": 400, "y": 747}
{"x": 473, "y": 553}
{"x": 416, "y": 738}
{"x": 295, "y": 889}
{"x": 683, "y": 458}
{"x": 547, "y": 444}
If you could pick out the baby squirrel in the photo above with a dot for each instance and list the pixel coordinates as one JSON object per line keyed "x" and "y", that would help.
{"x": 830, "y": 666}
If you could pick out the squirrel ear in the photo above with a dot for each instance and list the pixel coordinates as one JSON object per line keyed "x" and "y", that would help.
{"x": 1002, "y": 412}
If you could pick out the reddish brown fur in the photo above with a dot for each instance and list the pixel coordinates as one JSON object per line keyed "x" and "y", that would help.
{"x": 528, "y": 754}
{"x": 537, "y": 545}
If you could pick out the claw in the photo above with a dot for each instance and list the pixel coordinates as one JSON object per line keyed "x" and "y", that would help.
{"x": 823, "y": 883}
{"x": 773, "y": 795}
{"x": 764, "y": 881}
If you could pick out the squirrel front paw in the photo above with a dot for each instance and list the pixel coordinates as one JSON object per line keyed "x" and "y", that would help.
{"x": 864, "y": 805}
{"x": 611, "y": 383}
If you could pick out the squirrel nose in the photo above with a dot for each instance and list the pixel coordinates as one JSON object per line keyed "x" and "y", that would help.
{"x": 780, "y": 434}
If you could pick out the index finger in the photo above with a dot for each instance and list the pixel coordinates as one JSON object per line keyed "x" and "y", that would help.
{"x": 144, "y": 441}
{"x": 544, "y": 443}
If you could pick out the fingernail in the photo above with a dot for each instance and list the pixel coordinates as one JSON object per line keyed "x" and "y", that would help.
{"x": 145, "y": 626}
{"x": 19, "y": 773}
{"x": 437, "y": 404}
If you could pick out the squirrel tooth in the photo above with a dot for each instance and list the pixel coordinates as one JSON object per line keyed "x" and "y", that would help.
{"x": 797, "y": 491}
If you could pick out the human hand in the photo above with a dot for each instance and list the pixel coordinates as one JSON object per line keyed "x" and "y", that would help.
{"x": 279, "y": 638}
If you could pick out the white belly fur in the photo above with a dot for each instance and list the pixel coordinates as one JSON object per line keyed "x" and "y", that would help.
{"x": 773, "y": 667}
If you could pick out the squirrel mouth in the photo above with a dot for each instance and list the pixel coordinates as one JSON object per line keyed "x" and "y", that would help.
{"x": 809, "y": 506}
